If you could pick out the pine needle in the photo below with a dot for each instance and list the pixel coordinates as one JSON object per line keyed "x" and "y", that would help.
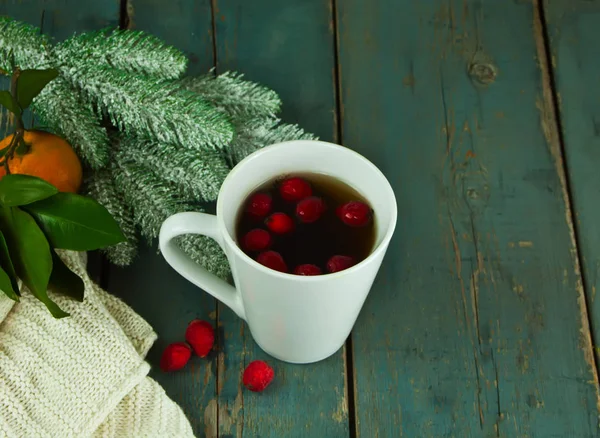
{"x": 207, "y": 253}
{"x": 197, "y": 175}
{"x": 151, "y": 200}
{"x": 128, "y": 50}
{"x": 60, "y": 109}
{"x": 237, "y": 97}
{"x": 256, "y": 134}
{"x": 145, "y": 107}
{"x": 22, "y": 45}
{"x": 102, "y": 188}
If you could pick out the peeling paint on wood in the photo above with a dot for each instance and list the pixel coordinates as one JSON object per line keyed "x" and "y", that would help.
{"x": 573, "y": 33}
{"x": 228, "y": 416}
{"x": 550, "y": 129}
{"x": 458, "y": 362}
{"x": 210, "y": 419}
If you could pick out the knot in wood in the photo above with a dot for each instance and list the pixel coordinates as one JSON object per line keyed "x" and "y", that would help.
{"x": 472, "y": 194}
{"x": 483, "y": 73}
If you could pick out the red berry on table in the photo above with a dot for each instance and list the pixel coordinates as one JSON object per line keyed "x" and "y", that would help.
{"x": 273, "y": 260}
{"x": 279, "y": 223}
{"x": 259, "y": 205}
{"x": 257, "y": 376}
{"x": 355, "y": 213}
{"x": 295, "y": 189}
{"x": 338, "y": 263}
{"x": 307, "y": 269}
{"x": 175, "y": 356}
{"x": 201, "y": 336}
{"x": 256, "y": 240}
{"x": 310, "y": 209}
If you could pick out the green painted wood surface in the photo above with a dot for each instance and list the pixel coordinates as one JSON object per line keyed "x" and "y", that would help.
{"x": 475, "y": 326}
{"x": 574, "y": 32}
{"x": 150, "y": 286}
{"x": 288, "y": 46}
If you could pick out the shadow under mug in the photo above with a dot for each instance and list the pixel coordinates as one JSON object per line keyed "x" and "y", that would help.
{"x": 297, "y": 319}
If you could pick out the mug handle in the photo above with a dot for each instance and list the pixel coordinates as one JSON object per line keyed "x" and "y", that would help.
{"x": 206, "y": 225}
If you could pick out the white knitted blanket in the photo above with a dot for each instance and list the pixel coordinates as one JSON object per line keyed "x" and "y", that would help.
{"x": 80, "y": 376}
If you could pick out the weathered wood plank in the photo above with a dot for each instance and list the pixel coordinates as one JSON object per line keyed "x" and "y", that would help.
{"x": 185, "y": 24}
{"x": 289, "y": 47}
{"x": 476, "y": 324}
{"x": 573, "y": 37}
{"x": 150, "y": 286}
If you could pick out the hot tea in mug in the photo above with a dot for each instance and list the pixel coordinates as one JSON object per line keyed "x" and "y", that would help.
{"x": 306, "y": 224}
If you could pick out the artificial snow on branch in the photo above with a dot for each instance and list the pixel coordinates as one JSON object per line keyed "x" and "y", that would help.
{"x": 238, "y": 98}
{"x": 196, "y": 175}
{"x": 151, "y": 108}
{"x": 126, "y": 50}
{"x": 155, "y": 143}
{"x": 66, "y": 114}
{"x": 21, "y": 44}
{"x": 102, "y": 188}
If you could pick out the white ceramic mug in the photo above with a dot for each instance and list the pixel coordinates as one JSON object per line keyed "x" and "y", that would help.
{"x": 298, "y": 319}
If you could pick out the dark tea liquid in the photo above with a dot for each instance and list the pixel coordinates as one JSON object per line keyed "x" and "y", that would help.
{"x": 312, "y": 243}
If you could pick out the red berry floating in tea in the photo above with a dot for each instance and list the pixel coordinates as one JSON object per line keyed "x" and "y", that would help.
{"x": 259, "y": 205}
{"x": 339, "y": 263}
{"x": 273, "y": 260}
{"x": 355, "y": 213}
{"x": 310, "y": 209}
{"x": 256, "y": 240}
{"x": 307, "y": 269}
{"x": 279, "y": 223}
{"x": 295, "y": 189}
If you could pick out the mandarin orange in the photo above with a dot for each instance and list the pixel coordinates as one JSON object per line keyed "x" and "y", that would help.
{"x": 49, "y": 157}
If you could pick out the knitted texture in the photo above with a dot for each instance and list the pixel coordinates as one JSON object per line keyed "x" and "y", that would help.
{"x": 80, "y": 376}
{"x": 145, "y": 412}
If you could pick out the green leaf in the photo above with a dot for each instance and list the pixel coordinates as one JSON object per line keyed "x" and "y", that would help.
{"x": 31, "y": 82}
{"x": 9, "y": 102}
{"x": 30, "y": 253}
{"x": 18, "y": 190}
{"x": 6, "y": 286}
{"x": 76, "y": 222}
{"x": 65, "y": 281}
{"x": 7, "y": 264}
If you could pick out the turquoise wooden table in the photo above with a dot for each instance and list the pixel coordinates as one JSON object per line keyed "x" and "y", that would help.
{"x": 485, "y": 117}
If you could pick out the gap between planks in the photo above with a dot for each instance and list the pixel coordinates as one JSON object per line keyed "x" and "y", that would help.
{"x": 551, "y": 123}
{"x": 348, "y": 355}
{"x": 220, "y": 363}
